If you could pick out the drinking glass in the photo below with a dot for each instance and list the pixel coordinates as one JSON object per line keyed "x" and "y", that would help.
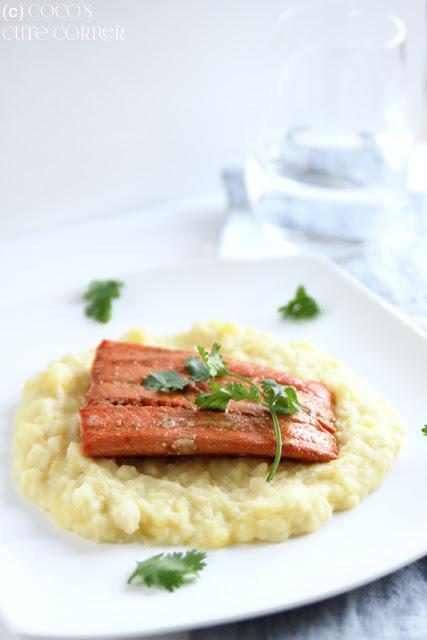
{"x": 330, "y": 166}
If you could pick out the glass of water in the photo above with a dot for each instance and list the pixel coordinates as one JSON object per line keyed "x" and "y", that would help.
{"x": 330, "y": 166}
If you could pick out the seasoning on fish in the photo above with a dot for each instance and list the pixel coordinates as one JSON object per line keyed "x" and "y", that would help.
{"x": 120, "y": 417}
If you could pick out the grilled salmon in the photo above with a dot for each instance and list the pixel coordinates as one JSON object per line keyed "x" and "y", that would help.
{"x": 120, "y": 417}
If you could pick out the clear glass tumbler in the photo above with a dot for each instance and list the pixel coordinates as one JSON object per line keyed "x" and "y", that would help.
{"x": 330, "y": 166}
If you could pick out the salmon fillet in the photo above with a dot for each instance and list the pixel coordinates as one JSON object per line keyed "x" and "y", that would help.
{"x": 120, "y": 417}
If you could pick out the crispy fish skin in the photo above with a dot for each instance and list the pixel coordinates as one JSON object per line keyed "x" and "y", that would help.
{"x": 120, "y": 417}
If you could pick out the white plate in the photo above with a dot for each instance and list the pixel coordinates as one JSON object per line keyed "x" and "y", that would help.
{"x": 55, "y": 584}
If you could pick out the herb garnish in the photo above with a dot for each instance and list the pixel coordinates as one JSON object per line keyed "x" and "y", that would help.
{"x": 302, "y": 306}
{"x": 173, "y": 381}
{"x": 213, "y": 361}
{"x": 276, "y": 397}
{"x": 197, "y": 369}
{"x": 99, "y": 295}
{"x": 165, "y": 381}
{"x": 169, "y": 571}
{"x": 424, "y": 429}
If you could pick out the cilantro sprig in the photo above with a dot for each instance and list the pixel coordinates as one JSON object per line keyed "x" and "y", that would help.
{"x": 169, "y": 571}
{"x": 301, "y": 307}
{"x": 424, "y": 429}
{"x": 278, "y": 399}
{"x": 99, "y": 295}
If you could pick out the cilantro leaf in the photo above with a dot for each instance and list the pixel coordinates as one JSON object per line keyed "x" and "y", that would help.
{"x": 239, "y": 391}
{"x": 197, "y": 369}
{"x": 424, "y": 429}
{"x": 174, "y": 381}
{"x": 302, "y": 306}
{"x": 217, "y": 400}
{"x": 99, "y": 296}
{"x": 282, "y": 398}
{"x": 165, "y": 381}
{"x": 213, "y": 360}
{"x": 168, "y": 571}
{"x": 221, "y": 396}
{"x": 275, "y": 397}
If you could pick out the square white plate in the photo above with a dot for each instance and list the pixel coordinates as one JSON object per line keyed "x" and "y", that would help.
{"x": 55, "y": 584}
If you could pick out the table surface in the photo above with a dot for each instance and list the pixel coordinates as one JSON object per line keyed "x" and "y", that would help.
{"x": 393, "y": 608}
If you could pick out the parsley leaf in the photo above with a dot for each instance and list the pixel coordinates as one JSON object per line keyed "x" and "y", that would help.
{"x": 169, "y": 570}
{"x": 99, "y": 296}
{"x": 302, "y": 306}
{"x": 213, "y": 360}
{"x": 165, "y": 381}
{"x": 424, "y": 429}
{"x": 197, "y": 369}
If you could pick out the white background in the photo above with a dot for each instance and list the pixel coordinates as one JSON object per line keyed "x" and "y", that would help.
{"x": 96, "y": 127}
